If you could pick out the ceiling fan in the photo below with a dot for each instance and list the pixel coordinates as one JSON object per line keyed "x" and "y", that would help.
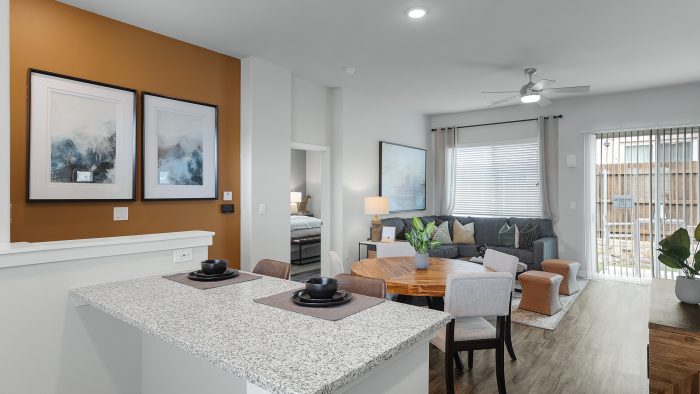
{"x": 534, "y": 92}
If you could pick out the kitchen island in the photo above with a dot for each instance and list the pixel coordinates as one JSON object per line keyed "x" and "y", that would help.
{"x": 221, "y": 341}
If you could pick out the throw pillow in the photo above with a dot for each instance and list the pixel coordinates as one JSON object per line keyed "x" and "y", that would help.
{"x": 442, "y": 234}
{"x": 528, "y": 235}
{"x": 508, "y": 236}
{"x": 463, "y": 234}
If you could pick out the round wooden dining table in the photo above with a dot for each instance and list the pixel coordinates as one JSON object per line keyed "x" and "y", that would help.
{"x": 402, "y": 277}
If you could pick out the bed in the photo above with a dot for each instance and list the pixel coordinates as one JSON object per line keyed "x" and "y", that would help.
{"x": 305, "y": 239}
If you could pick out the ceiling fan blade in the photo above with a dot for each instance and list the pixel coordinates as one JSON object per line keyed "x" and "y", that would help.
{"x": 544, "y": 101}
{"x": 570, "y": 89}
{"x": 503, "y": 101}
{"x": 506, "y": 91}
{"x": 542, "y": 84}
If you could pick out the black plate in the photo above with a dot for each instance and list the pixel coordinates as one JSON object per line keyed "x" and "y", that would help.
{"x": 297, "y": 300}
{"x": 305, "y": 297}
{"x": 212, "y": 278}
{"x": 201, "y": 273}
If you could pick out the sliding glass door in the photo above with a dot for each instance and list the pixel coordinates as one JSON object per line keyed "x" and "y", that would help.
{"x": 646, "y": 188}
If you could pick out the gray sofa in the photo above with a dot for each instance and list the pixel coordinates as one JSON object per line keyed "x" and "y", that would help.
{"x": 486, "y": 232}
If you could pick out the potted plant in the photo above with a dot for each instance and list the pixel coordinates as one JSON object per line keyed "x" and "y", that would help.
{"x": 421, "y": 238}
{"x": 674, "y": 253}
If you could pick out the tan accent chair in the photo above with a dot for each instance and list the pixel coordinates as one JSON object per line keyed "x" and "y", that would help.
{"x": 370, "y": 287}
{"x": 540, "y": 292}
{"x": 274, "y": 268}
{"x": 566, "y": 268}
{"x": 469, "y": 298}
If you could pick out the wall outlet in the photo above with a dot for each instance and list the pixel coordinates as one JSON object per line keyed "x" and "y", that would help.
{"x": 121, "y": 213}
{"x": 228, "y": 196}
{"x": 562, "y": 249}
{"x": 261, "y": 209}
{"x": 183, "y": 255}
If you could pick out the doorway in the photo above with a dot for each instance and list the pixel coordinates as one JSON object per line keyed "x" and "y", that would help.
{"x": 309, "y": 210}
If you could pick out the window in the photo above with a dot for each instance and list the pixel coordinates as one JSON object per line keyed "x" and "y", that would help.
{"x": 640, "y": 153}
{"x": 498, "y": 179}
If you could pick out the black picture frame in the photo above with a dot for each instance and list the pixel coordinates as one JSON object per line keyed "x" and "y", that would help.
{"x": 382, "y": 177}
{"x": 133, "y": 132}
{"x": 215, "y": 193}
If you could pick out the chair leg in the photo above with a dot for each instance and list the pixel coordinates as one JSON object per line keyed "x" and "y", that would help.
{"x": 470, "y": 359}
{"x": 509, "y": 341}
{"x": 458, "y": 361}
{"x": 449, "y": 372}
{"x": 500, "y": 373}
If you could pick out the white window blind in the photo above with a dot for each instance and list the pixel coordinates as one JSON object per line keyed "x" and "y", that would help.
{"x": 498, "y": 179}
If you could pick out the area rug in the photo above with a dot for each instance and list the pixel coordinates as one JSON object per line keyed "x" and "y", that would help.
{"x": 543, "y": 321}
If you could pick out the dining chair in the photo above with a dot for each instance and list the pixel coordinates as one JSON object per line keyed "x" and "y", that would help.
{"x": 501, "y": 262}
{"x": 469, "y": 297}
{"x": 336, "y": 264}
{"x": 371, "y": 287}
{"x": 274, "y": 268}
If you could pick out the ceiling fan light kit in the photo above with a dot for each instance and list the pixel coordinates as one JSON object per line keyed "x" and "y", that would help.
{"x": 530, "y": 98}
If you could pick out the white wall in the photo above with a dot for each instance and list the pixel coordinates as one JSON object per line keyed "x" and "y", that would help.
{"x": 314, "y": 164}
{"x": 47, "y": 345}
{"x": 266, "y": 113}
{"x": 4, "y": 122}
{"x": 664, "y": 106}
{"x": 360, "y": 123}
{"x": 311, "y": 112}
{"x": 297, "y": 176}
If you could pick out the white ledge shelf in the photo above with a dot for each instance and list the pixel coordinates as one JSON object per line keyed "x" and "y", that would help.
{"x": 31, "y": 253}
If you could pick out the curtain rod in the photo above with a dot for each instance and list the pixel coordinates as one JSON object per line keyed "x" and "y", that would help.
{"x": 506, "y": 122}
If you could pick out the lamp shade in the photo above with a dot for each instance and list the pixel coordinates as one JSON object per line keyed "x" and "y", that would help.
{"x": 295, "y": 196}
{"x": 376, "y": 205}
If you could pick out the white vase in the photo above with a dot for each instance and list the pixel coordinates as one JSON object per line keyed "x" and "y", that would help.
{"x": 688, "y": 290}
{"x": 422, "y": 260}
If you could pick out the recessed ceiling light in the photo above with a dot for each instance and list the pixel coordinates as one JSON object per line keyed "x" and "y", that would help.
{"x": 417, "y": 13}
{"x": 350, "y": 70}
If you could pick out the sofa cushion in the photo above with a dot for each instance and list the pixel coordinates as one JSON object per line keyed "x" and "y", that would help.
{"x": 463, "y": 234}
{"x": 468, "y": 250}
{"x": 509, "y": 236}
{"x": 445, "y": 251}
{"x": 486, "y": 230}
{"x": 544, "y": 225}
{"x": 524, "y": 255}
{"x": 398, "y": 223}
{"x": 442, "y": 234}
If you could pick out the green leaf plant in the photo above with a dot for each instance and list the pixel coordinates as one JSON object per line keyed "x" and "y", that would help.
{"x": 421, "y": 237}
{"x": 675, "y": 249}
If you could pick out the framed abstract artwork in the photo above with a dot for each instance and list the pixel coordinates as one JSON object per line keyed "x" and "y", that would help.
{"x": 179, "y": 149}
{"x": 82, "y": 139}
{"x": 402, "y": 176}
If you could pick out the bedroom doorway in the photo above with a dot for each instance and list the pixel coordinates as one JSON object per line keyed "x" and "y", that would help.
{"x": 309, "y": 188}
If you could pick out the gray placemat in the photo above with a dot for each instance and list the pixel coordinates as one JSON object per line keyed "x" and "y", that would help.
{"x": 358, "y": 303}
{"x": 182, "y": 278}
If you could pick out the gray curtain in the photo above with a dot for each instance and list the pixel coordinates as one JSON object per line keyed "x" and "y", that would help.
{"x": 445, "y": 170}
{"x": 549, "y": 163}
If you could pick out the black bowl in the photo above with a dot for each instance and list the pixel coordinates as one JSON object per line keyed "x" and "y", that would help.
{"x": 214, "y": 267}
{"x": 323, "y": 288}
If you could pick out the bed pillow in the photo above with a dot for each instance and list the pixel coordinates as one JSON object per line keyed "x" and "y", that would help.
{"x": 508, "y": 236}
{"x": 442, "y": 234}
{"x": 463, "y": 233}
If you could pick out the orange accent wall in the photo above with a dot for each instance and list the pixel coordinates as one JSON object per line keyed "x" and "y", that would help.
{"x": 51, "y": 36}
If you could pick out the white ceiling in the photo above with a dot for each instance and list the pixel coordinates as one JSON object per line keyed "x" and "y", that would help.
{"x": 441, "y": 63}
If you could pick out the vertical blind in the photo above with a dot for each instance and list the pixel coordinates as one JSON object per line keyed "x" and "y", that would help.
{"x": 646, "y": 188}
{"x": 499, "y": 179}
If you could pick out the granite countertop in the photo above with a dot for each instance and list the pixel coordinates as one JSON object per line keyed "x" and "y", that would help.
{"x": 277, "y": 350}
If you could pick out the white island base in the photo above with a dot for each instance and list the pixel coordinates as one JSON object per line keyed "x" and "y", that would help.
{"x": 167, "y": 369}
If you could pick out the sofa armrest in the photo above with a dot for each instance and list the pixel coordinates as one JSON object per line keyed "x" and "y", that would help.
{"x": 544, "y": 249}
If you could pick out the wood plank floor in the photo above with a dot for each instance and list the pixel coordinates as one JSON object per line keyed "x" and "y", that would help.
{"x": 599, "y": 347}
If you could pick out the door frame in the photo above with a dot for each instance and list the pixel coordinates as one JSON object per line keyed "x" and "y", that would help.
{"x": 325, "y": 200}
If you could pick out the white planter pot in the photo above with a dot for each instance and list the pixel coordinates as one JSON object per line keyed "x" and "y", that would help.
{"x": 688, "y": 290}
{"x": 422, "y": 261}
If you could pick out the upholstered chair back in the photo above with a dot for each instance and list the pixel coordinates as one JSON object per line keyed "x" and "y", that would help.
{"x": 477, "y": 294}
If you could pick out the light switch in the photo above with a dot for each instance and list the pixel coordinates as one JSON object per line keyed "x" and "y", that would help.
{"x": 261, "y": 209}
{"x": 121, "y": 213}
{"x": 571, "y": 161}
{"x": 228, "y": 196}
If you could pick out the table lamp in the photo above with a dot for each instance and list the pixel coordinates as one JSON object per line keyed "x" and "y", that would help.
{"x": 376, "y": 206}
{"x": 295, "y": 199}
